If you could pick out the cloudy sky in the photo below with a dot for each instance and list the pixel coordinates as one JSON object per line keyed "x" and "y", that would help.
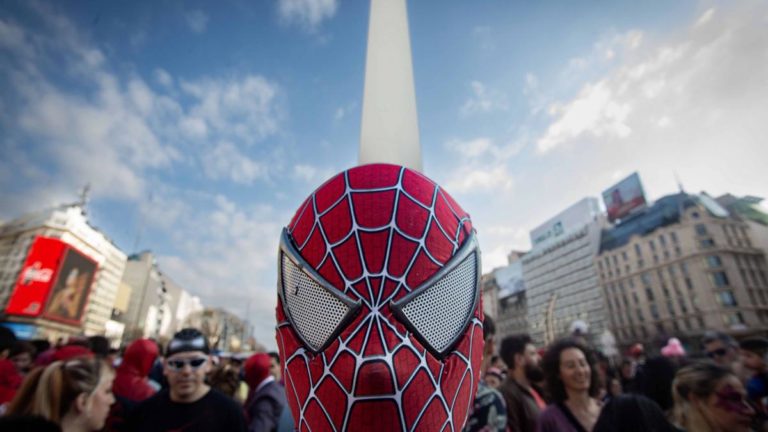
{"x": 201, "y": 129}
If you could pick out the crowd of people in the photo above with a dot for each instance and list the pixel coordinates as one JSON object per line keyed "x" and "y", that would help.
{"x": 570, "y": 387}
{"x": 83, "y": 386}
{"x": 567, "y": 386}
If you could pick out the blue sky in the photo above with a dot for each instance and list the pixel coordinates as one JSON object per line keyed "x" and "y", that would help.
{"x": 201, "y": 128}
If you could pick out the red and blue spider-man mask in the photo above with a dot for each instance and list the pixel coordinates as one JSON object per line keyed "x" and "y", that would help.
{"x": 379, "y": 312}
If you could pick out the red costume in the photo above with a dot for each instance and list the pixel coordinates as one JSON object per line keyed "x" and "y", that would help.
{"x": 379, "y": 315}
{"x": 131, "y": 377}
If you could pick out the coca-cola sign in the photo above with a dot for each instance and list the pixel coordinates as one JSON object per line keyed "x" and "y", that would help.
{"x": 36, "y": 277}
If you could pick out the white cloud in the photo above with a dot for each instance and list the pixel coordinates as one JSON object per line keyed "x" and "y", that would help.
{"x": 225, "y": 161}
{"x": 703, "y": 89}
{"x": 480, "y": 179}
{"x": 483, "y": 100}
{"x": 197, "y": 20}
{"x": 242, "y": 108}
{"x": 308, "y": 14}
{"x": 163, "y": 77}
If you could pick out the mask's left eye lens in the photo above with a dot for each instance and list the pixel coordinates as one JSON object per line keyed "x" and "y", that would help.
{"x": 315, "y": 312}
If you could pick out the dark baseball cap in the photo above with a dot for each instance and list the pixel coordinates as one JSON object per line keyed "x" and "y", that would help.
{"x": 186, "y": 340}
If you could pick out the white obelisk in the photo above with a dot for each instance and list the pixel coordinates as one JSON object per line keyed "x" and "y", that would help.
{"x": 390, "y": 125}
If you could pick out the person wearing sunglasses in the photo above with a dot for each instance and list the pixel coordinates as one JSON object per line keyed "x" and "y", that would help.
{"x": 721, "y": 348}
{"x": 189, "y": 403}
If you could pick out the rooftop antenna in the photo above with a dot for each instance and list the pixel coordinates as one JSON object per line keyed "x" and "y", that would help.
{"x": 679, "y": 183}
{"x": 83, "y": 201}
{"x": 390, "y": 126}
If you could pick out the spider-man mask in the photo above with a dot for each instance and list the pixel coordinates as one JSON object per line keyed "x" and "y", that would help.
{"x": 379, "y": 316}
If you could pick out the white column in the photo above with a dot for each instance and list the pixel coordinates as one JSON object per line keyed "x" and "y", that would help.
{"x": 390, "y": 125}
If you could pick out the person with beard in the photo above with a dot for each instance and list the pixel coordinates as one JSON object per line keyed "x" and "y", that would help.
{"x": 488, "y": 410}
{"x": 524, "y": 401}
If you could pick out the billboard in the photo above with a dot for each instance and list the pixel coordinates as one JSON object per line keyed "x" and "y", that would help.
{"x": 36, "y": 277}
{"x": 567, "y": 221}
{"x": 69, "y": 295}
{"x": 623, "y": 197}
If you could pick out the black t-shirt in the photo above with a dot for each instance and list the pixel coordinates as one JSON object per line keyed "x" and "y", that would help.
{"x": 212, "y": 412}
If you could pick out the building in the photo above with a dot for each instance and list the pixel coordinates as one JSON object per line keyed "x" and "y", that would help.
{"x": 561, "y": 282}
{"x": 679, "y": 267}
{"x": 59, "y": 275}
{"x": 225, "y": 331}
{"x": 512, "y": 307}
{"x": 157, "y": 306}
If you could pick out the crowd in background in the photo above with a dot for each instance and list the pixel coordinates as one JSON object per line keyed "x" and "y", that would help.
{"x": 570, "y": 387}
{"x": 82, "y": 385}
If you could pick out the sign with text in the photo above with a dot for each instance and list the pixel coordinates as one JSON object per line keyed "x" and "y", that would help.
{"x": 36, "y": 277}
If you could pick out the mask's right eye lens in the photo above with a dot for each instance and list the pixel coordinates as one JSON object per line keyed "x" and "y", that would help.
{"x": 315, "y": 312}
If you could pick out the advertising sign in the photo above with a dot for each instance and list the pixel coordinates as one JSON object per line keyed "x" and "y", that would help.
{"x": 623, "y": 197}
{"x": 69, "y": 296}
{"x": 36, "y": 277}
{"x": 569, "y": 220}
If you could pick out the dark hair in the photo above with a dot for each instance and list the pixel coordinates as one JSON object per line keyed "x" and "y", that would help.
{"x": 99, "y": 345}
{"x": 714, "y": 336}
{"x": 41, "y": 345}
{"x": 756, "y": 345}
{"x": 512, "y": 345}
{"x": 655, "y": 381}
{"x": 489, "y": 328}
{"x": 275, "y": 356}
{"x": 7, "y": 338}
{"x": 551, "y": 366}
{"x": 21, "y": 347}
{"x": 632, "y": 413}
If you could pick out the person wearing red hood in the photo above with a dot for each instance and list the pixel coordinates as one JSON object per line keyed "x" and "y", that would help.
{"x": 266, "y": 398}
{"x": 131, "y": 378}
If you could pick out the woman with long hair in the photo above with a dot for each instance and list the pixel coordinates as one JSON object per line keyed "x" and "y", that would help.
{"x": 572, "y": 381}
{"x": 710, "y": 398}
{"x": 74, "y": 394}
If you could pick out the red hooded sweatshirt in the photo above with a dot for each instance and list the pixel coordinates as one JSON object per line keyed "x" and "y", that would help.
{"x": 131, "y": 377}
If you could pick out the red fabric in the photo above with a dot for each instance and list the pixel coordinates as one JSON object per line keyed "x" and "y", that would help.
{"x": 71, "y": 351}
{"x": 10, "y": 380}
{"x": 257, "y": 369}
{"x": 131, "y": 377}
{"x": 377, "y": 232}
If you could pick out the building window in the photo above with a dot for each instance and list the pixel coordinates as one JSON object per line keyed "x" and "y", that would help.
{"x": 678, "y": 252}
{"x": 727, "y": 299}
{"x": 719, "y": 279}
{"x": 640, "y": 263}
{"x": 615, "y": 260}
{"x": 695, "y": 215}
{"x": 638, "y": 251}
{"x": 662, "y": 240}
{"x": 673, "y": 236}
{"x": 640, "y": 317}
{"x": 634, "y": 297}
{"x": 652, "y": 245}
{"x": 649, "y": 294}
{"x": 671, "y": 271}
{"x": 683, "y": 307}
{"x": 654, "y": 311}
{"x": 700, "y": 321}
{"x": 684, "y": 268}
{"x": 714, "y": 261}
{"x": 624, "y": 256}
{"x": 707, "y": 243}
{"x": 631, "y": 282}
{"x": 646, "y": 278}
{"x": 688, "y": 324}
{"x": 671, "y": 308}
{"x": 701, "y": 229}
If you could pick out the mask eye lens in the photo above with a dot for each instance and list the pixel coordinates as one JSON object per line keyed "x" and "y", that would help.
{"x": 317, "y": 312}
{"x": 438, "y": 312}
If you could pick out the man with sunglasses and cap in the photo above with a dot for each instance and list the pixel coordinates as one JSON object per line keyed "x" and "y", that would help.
{"x": 189, "y": 404}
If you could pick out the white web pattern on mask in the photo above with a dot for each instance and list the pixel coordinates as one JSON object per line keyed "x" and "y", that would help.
{"x": 375, "y": 321}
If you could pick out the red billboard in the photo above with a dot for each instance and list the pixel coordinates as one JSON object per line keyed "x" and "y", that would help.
{"x": 36, "y": 277}
{"x": 69, "y": 295}
{"x": 623, "y": 197}
{"x": 55, "y": 281}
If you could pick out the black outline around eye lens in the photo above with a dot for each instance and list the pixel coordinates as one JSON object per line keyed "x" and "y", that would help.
{"x": 469, "y": 248}
{"x": 288, "y": 250}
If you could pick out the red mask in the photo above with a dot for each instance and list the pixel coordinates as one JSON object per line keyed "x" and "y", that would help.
{"x": 379, "y": 315}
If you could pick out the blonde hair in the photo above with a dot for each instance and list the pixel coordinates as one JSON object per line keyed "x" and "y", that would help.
{"x": 49, "y": 392}
{"x": 697, "y": 380}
